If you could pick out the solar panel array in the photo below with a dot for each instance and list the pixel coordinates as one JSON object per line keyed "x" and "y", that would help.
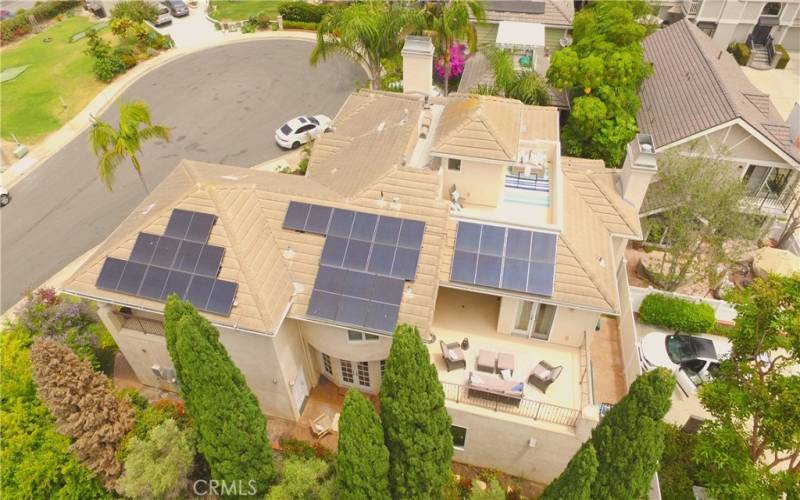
{"x": 370, "y": 255}
{"x": 505, "y": 258}
{"x": 181, "y": 261}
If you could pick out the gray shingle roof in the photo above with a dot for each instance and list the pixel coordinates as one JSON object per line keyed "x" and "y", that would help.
{"x": 696, "y": 86}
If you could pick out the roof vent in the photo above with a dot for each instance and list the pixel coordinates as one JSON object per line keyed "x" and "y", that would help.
{"x": 381, "y": 126}
{"x": 601, "y": 261}
{"x": 289, "y": 253}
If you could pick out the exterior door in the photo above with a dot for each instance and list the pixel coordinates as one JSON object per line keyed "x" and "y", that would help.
{"x": 300, "y": 390}
{"x": 760, "y": 34}
{"x": 523, "y": 319}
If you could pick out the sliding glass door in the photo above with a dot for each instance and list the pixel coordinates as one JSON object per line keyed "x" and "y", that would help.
{"x": 533, "y": 320}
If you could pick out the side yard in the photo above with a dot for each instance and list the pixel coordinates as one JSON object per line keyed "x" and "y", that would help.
{"x": 55, "y": 86}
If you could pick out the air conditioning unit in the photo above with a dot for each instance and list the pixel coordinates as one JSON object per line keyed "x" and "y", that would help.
{"x": 167, "y": 374}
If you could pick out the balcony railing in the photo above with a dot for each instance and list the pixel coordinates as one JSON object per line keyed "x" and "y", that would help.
{"x": 772, "y": 201}
{"x": 148, "y": 326}
{"x": 692, "y": 7}
{"x": 529, "y": 408}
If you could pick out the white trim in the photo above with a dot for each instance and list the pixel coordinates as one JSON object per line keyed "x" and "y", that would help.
{"x": 731, "y": 148}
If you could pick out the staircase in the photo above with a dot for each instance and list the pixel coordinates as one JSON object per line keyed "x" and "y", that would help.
{"x": 759, "y": 58}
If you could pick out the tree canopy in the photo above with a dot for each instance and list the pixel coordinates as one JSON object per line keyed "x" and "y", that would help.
{"x": 362, "y": 461}
{"x": 698, "y": 199}
{"x": 602, "y": 71}
{"x": 416, "y": 424}
{"x": 524, "y": 85}
{"x": 575, "y": 482}
{"x": 629, "y": 440}
{"x": 449, "y": 23}
{"x": 231, "y": 430}
{"x": 751, "y": 447}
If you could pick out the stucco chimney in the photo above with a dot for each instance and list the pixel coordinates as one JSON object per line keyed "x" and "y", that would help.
{"x": 418, "y": 65}
{"x": 638, "y": 169}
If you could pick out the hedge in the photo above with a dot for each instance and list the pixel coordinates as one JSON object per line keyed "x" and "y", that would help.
{"x": 741, "y": 52}
{"x": 677, "y": 314}
{"x": 303, "y": 12}
{"x": 18, "y": 26}
{"x": 784, "y": 56}
{"x": 297, "y": 25}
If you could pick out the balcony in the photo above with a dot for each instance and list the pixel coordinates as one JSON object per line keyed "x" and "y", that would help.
{"x": 692, "y": 7}
{"x": 148, "y": 326}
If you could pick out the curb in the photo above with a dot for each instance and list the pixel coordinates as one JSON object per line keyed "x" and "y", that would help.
{"x": 102, "y": 101}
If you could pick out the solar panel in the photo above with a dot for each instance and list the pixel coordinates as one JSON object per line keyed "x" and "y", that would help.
{"x": 323, "y": 304}
{"x": 364, "y": 226}
{"x": 318, "y": 219}
{"x": 178, "y": 224}
{"x": 177, "y": 282}
{"x": 405, "y": 263}
{"x": 165, "y": 252}
{"x": 388, "y": 290}
{"x": 352, "y": 311}
{"x": 221, "y": 299}
{"x": 132, "y": 277}
{"x": 411, "y": 234}
{"x": 388, "y": 230}
{"x": 187, "y": 256}
{"x": 382, "y": 317}
{"x": 381, "y": 259}
{"x": 296, "y": 216}
{"x": 154, "y": 280}
{"x": 110, "y": 273}
{"x": 341, "y": 223}
{"x": 333, "y": 251}
{"x": 200, "y": 227}
{"x": 210, "y": 261}
{"x": 144, "y": 248}
{"x": 199, "y": 291}
{"x": 356, "y": 255}
{"x": 504, "y": 258}
{"x": 357, "y": 284}
{"x": 330, "y": 279}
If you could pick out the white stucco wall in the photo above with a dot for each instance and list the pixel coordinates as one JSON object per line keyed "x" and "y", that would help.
{"x": 568, "y": 328}
{"x": 478, "y": 183}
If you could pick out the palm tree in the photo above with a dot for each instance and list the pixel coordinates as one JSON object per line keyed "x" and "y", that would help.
{"x": 112, "y": 146}
{"x": 366, "y": 33}
{"x": 450, "y": 23}
{"x": 524, "y": 85}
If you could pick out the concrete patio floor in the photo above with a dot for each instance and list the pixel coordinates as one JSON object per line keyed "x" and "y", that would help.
{"x": 782, "y": 85}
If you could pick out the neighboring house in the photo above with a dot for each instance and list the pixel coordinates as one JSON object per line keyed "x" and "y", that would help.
{"x": 457, "y": 215}
{"x": 698, "y": 92}
{"x": 555, "y": 15}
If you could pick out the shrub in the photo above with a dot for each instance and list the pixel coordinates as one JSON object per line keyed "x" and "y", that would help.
{"x": 106, "y": 68}
{"x": 293, "y": 447}
{"x": 298, "y": 25}
{"x": 493, "y": 491}
{"x": 149, "y": 417}
{"x": 740, "y": 52}
{"x": 135, "y": 10}
{"x": 678, "y": 473}
{"x": 84, "y": 405}
{"x": 575, "y": 482}
{"x": 18, "y": 26}
{"x": 676, "y": 314}
{"x": 457, "y": 61}
{"x": 157, "y": 466}
{"x": 780, "y": 50}
{"x": 260, "y": 21}
{"x": 303, "y": 11}
{"x": 304, "y": 478}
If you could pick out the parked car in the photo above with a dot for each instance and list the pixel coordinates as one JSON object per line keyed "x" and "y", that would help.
{"x": 694, "y": 360}
{"x": 176, "y": 7}
{"x": 300, "y": 130}
{"x": 5, "y": 198}
{"x": 163, "y": 17}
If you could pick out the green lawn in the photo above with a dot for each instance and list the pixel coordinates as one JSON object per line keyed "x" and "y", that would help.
{"x": 239, "y": 10}
{"x": 31, "y": 104}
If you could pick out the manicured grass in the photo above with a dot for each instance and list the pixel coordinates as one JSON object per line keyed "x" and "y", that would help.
{"x": 239, "y": 10}
{"x": 31, "y": 104}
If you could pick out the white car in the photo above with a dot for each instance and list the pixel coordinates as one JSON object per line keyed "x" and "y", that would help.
{"x": 300, "y": 130}
{"x": 694, "y": 360}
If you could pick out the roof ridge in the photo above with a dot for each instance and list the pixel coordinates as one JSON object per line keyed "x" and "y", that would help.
{"x": 497, "y": 138}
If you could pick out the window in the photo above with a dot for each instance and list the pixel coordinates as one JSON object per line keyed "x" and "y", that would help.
{"x": 347, "y": 371}
{"x": 326, "y": 364}
{"x": 286, "y": 129}
{"x": 772, "y": 9}
{"x": 459, "y": 436}
{"x": 363, "y": 373}
{"x": 544, "y": 321}
{"x": 383, "y": 367}
{"x": 357, "y": 336}
{"x": 304, "y": 129}
{"x": 313, "y": 120}
{"x": 453, "y": 164}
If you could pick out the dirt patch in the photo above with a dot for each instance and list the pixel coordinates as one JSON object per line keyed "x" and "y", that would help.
{"x": 515, "y": 487}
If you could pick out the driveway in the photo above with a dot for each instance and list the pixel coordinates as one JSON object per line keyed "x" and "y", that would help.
{"x": 195, "y": 29}
{"x": 223, "y": 105}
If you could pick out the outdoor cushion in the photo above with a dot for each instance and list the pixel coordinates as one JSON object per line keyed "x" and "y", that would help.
{"x": 486, "y": 360}
{"x": 505, "y": 361}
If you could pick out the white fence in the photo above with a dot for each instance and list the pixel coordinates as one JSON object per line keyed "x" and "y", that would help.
{"x": 722, "y": 310}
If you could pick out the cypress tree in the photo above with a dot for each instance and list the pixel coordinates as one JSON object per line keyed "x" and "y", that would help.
{"x": 231, "y": 430}
{"x": 416, "y": 425}
{"x": 362, "y": 461}
{"x": 629, "y": 441}
{"x": 575, "y": 482}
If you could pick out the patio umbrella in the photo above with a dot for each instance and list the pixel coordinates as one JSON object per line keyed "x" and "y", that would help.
{"x": 774, "y": 260}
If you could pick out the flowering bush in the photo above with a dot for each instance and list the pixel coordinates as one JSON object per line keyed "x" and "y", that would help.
{"x": 456, "y": 62}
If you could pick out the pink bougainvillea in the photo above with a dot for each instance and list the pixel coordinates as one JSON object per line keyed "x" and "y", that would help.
{"x": 456, "y": 62}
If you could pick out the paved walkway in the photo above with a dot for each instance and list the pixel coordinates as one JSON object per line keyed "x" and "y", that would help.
{"x": 782, "y": 85}
{"x": 223, "y": 105}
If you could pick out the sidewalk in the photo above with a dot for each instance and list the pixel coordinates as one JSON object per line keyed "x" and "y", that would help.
{"x": 54, "y": 142}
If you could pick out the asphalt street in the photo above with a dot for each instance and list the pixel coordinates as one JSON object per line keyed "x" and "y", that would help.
{"x": 223, "y": 105}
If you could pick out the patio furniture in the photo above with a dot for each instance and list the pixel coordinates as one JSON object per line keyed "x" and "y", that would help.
{"x": 505, "y": 361}
{"x": 543, "y": 375}
{"x": 465, "y": 344}
{"x": 321, "y": 426}
{"x": 453, "y": 355}
{"x": 486, "y": 361}
{"x": 486, "y": 387}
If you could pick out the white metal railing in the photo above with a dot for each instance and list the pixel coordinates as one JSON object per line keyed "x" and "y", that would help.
{"x": 692, "y": 7}
{"x": 722, "y": 310}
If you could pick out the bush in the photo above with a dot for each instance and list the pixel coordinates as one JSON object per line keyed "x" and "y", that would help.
{"x": 18, "y": 26}
{"x": 297, "y": 25}
{"x": 106, "y": 68}
{"x": 151, "y": 416}
{"x": 260, "y": 21}
{"x": 304, "y": 478}
{"x": 741, "y": 52}
{"x": 780, "y": 50}
{"x": 678, "y": 473}
{"x": 677, "y": 314}
{"x": 135, "y": 10}
{"x": 303, "y": 11}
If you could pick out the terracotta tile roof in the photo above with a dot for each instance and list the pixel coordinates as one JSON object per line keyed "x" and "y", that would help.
{"x": 695, "y": 86}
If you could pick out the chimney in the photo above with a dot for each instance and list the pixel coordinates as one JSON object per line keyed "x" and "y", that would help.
{"x": 794, "y": 125}
{"x": 418, "y": 65}
{"x": 638, "y": 169}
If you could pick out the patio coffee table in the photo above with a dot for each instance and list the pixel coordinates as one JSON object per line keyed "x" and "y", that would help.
{"x": 505, "y": 361}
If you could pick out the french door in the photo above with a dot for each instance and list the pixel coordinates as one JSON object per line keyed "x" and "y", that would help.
{"x": 533, "y": 320}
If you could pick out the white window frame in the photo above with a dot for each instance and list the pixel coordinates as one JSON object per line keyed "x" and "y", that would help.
{"x": 345, "y": 367}
{"x": 454, "y": 164}
{"x": 364, "y": 337}
{"x": 327, "y": 364}
{"x": 362, "y": 374}
{"x": 530, "y": 332}
{"x": 382, "y": 367}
